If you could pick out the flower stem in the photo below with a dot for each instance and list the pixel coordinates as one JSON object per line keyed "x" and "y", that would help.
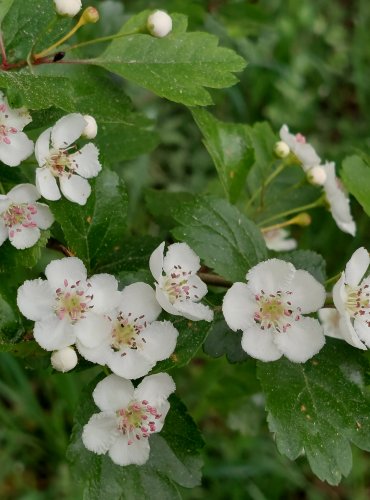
{"x": 4, "y": 60}
{"x": 269, "y": 179}
{"x": 302, "y": 219}
{"x": 214, "y": 280}
{"x": 333, "y": 278}
{"x": 317, "y": 203}
{"x": 101, "y": 39}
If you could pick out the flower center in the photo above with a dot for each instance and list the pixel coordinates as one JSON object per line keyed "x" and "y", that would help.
{"x": 126, "y": 331}
{"x": 274, "y": 311}
{"x": 19, "y": 215}
{"x": 358, "y": 300}
{"x": 60, "y": 163}
{"x": 137, "y": 421}
{"x": 73, "y": 302}
{"x": 176, "y": 285}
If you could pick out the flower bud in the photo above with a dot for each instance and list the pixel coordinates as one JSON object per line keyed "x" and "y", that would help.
{"x": 316, "y": 175}
{"x": 91, "y": 128}
{"x": 159, "y": 23}
{"x": 281, "y": 149}
{"x": 302, "y": 219}
{"x": 67, "y": 7}
{"x": 64, "y": 360}
{"x": 90, "y": 16}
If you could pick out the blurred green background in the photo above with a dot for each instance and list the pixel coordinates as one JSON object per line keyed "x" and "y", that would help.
{"x": 308, "y": 67}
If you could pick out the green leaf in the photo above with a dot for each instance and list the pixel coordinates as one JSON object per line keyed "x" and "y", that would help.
{"x": 221, "y": 340}
{"x": 263, "y": 141}
{"x": 4, "y": 7}
{"x": 319, "y": 407}
{"x": 12, "y": 258}
{"x": 356, "y": 177}
{"x": 176, "y": 67}
{"x": 173, "y": 459}
{"x": 191, "y": 336}
{"x": 163, "y": 204}
{"x": 10, "y": 321}
{"x": 308, "y": 260}
{"x": 223, "y": 237}
{"x": 230, "y": 149}
{"x": 96, "y": 231}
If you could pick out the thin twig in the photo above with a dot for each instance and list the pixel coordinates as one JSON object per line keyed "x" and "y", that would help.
{"x": 214, "y": 280}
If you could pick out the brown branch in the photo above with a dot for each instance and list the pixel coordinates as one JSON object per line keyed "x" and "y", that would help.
{"x": 214, "y": 280}
{"x": 56, "y": 245}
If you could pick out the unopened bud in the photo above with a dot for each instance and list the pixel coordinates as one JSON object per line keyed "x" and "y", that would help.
{"x": 64, "y": 360}
{"x": 90, "y": 16}
{"x": 91, "y": 129}
{"x": 67, "y": 7}
{"x": 281, "y": 149}
{"x": 159, "y": 23}
{"x": 317, "y": 175}
{"x": 302, "y": 219}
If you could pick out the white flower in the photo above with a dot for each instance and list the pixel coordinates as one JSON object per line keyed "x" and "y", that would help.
{"x": 21, "y": 218}
{"x": 64, "y": 360}
{"x": 278, "y": 240}
{"x": 132, "y": 341}
{"x": 281, "y": 149}
{"x": 67, "y": 306}
{"x": 128, "y": 417}
{"x": 159, "y": 23}
{"x": 179, "y": 290}
{"x": 67, "y": 7}
{"x": 269, "y": 311}
{"x": 330, "y": 320}
{"x": 15, "y": 146}
{"x": 352, "y": 299}
{"x": 300, "y": 148}
{"x": 338, "y": 200}
{"x": 55, "y": 160}
{"x": 91, "y": 129}
{"x": 317, "y": 175}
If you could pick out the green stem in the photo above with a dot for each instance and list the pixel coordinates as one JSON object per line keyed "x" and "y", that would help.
{"x": 269, "y": 179}
{"x": 2, "y": 190}
{"x": 101, "y": 39}
{"x": 333, "y": 278}
{"x": 303, "y": 208}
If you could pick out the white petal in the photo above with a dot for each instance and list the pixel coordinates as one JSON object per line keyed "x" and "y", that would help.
{"x": 67, "y": 130}
{"x": 156, "y": 261}
{"x": 357, "y": 266}
{"x": 155, "y": 388}
{"x": 47, "y": 184}
{"x": 3, "y": 232}
{"x": 238, "y": 307}
{"x": 277, "y": 240}
{"x": 20, "y": 148}
{"x": 23, "y": 237}
{"x": 75, "y": 188}
{"x": 302, "y": 340}
{"x": 123, "y": 453}
{"x": 87, "y": 161}
{"x": 303, "y": 151}
{"x": 139, "y": 299}
{"x": 104, "y": 288}
{"x": 197, "y": 288}
{"x": 99, "y": 354}
{"x": 24, "y": 193}
{"x": 43, "y": 218}
{"x": 35, "y": 299}
{"x": 307, "y": 292}
{"x": 363, "y": 331}
{"x": 194, "y": 310}
{"x": 340, "y": 294}
{"x": 5, "y": 203}
{"x": 349, "y": 334}
{"x": 270, "y": 276}
{"x": 42, "y": 147}
{"x": 71, "y": 269}
{"x": 93, "y": 330}
{"x": 162, "y": 409}
{"x": 164, "y": 302}
{"x": 129, "y": 363}
{"x": 53, "y": 333}
{"x": 160, "y": 340}
{"x": 113, "y": 393}
{"x": 260, "y": 344}
{"x": 180, "y": 255}
{"x": 330, "y": 318}
{"x": 17, "y": 118}
{"x": 100, "y": 432}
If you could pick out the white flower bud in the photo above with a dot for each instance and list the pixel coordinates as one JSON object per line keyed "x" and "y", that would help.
{"x": 281, "y": 149}
{"x": 91, "y": 129}
{"x": 67, "y": 7}
{"x": 64, "y": 360}
{"x": 316, "y": 175}
{"x": 159, "y": 23}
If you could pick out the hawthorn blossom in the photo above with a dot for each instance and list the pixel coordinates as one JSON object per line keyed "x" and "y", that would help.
{"x": 304, "y": 152}
{"x": 67, "y": 7}
{"x": 270, "y": 310}
{"x": 53, "y": 153}
{"x": 21, "y": 217}
{"x": 15, "y": 146}
{"x": 338, "y": 201}
{"x": 330, "y": 320}
{"x": 351, "y": 295}
{"x": 279, "y": 241}
{"x": 128, "y": 417}
{"x": 67, "y": 305}
{"x": 159, "y": 24}
{"x": 132, "y": 341}
{"x": 64, "y": 360}
{"x": 179, "y": 289}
